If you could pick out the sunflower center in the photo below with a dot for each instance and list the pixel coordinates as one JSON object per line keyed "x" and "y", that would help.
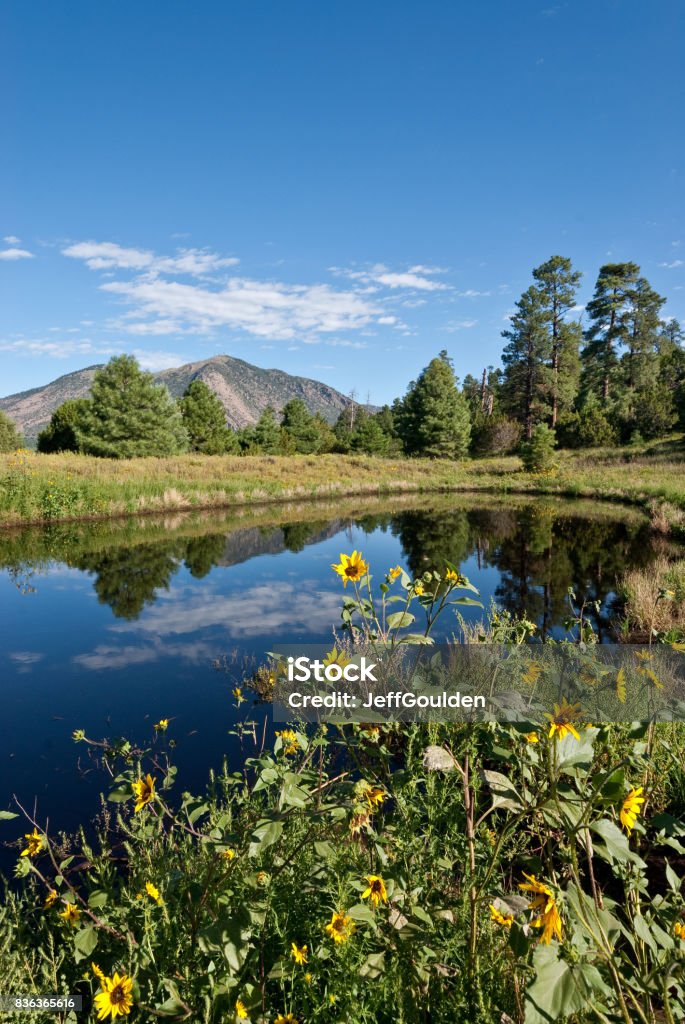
{"x": 117, "y": 995}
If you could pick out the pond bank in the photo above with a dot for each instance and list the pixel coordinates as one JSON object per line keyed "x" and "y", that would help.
{"x": 37, "y": 489}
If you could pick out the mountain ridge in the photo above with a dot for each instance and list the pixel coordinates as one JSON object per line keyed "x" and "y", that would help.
{"x": 243, "y": 389}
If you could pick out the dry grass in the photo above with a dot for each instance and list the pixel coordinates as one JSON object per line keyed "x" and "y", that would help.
{"x": 655, "y": 596}
{"x": 38, "y": 488}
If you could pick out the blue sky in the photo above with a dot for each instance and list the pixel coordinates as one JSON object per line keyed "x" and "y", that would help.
{"x": 337, "y": 190}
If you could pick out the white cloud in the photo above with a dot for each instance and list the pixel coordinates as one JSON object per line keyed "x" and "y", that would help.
{"x": 15, "y": 254}
{"x": 471, "y": 293}
{"x": 264, "y": 309}
{"x": 54, "y": 349}
{"x": 11, "y": 239}
{"x": 155, "y": 361}
{"x": 417, "y": 278}
{"x": 669, "y": 266}
{"x": 460, "y": 325}
{"x": 341, "y": 343}
{"x": 110, "y": 256}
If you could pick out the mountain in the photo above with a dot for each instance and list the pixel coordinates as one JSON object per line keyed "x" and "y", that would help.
{"x": 243, "y": 389}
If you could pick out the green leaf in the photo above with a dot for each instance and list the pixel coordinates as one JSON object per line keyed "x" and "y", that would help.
{"x": 266, "y": 834}
{"x": 503, "y": 791}
{"x": 360, "y": 912}
{"x": 85, "y": 941}
{"x": 373, "y": 966}
{"x": 615, "y": 848}
{"x": 7, "y": 815}
{"x": 97, "y": 899}
{"x": 399, "y": 619}
{"x": 560, "y": 989}
{"x": 120, "y": 794}
{"x": 672, "y": 878}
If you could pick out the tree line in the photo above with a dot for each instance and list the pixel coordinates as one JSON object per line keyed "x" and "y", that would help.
{"x": 618, "y": 378}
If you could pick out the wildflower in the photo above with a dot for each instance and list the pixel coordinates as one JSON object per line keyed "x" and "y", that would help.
{"x": 309, "y": 977}
{"x": 376, "y": 890}
{"x": 228, "y": 853}
{"x": 49, "y": 899}
{"x": 394, "y": 573}
{"x": 506, "y": 920}
{"x": 679, "y": 929}
{"x": 336, "y": 657}
{"x": 532, "y": 673}
{"x": 238, "y": 695}
{"x": 545, "y": 907}
{"x": 78, "y": 735}
{"x": 285, "y": 1018}
{"x": 262, "y": 878}
{"x": 34, "y": 844}
{"x": 531, "y": 737}
{"x": 116, "y": 998}
{"x": 162, "y": 725}
{"x": 452, "y": 576}
{"x": 153, "y": 893}
{"x": 340, "y": 927}
{"x": 374, "y": 796}
{"x": 240, "y": 1009}
{"x": 100, "y": 975}
{"x": 144, "y": 791}
{"x": 351, "y": 567}
{"x": 360, "y": 821}
{"x": 289, "y": 740}
{"x": 561, "y": 722}
{"x": 418, "y": 589}
{"x": 631, "y": 808}
{"x": 298, "y": 953}
{"x": 71, "y": 915}
{"x": 621, "y": 686}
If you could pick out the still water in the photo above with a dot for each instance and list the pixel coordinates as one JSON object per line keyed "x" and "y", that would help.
{"x": 109, "y": 627}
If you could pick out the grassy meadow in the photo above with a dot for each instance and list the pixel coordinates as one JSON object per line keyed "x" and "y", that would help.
{"x": 47, "y": 488}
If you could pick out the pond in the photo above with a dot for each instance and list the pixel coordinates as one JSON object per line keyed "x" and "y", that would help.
{"x": 109, "y": 627}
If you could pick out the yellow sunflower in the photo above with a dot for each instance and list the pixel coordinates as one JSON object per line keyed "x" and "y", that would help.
{"x": 71, "y": 915}
{"x": 289, "y": 740}
{"x": 240, "y": 1009}
{"x": 561, "y": 722}
{"x": 298, "y": 953}
{"x": 543, "y": 904}
{"x": 336, "y": 657}
{"x": 34, "y": 843}
{"x": 506, "y": 920}
{"x": 351, "y": 567}
{"x": 49, "y": 899}
{"x": 340, "y": 927}
{"x": 285, "y": 1018}
{"x": 116, "y": 999}
{"x": 376, "y": 891}
{"x": 679, "y": 930}
{"x": 153, "y": 892}
{"x": 162, "y": 725}
{"x": 144, "y": 792}
{"x": 631, "y": 808}
{"x": 531, "y": 737}
{"x": 394, "y": 573}
{"x": 228, "y": 853}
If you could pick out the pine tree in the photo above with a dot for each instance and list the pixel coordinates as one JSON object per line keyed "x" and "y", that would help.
{"x": 642, "y": 340}
{"x": 370, "y": 438}
{"x": 433, "y": 418}
{"x": 300, "y": 426}
{"x": 10, "y": 438}
{"x": 61, "y": 433}
{"x": 558, "y": 283}
{"x": 526, "y": 359}
{"x": 609, "y": 313}
{"x": 204, "y": 418}
{"x": 267, "y": 432}
{"x": 130, "y": 415}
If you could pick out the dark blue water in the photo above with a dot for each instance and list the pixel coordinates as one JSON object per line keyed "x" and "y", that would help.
{"x": 108, "y": 629}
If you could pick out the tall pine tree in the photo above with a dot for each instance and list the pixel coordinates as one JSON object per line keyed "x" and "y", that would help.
{"x": 204, "y": 418}
{"x": 130, "y": 415}
{"x": 433, "y": 418}
{"x": 609, "y": 313}
{"x": 558, "y": 283}
{"x": 526, "y": 358}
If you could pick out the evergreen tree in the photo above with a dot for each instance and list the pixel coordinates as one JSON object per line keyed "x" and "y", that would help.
{"x": 433, "y": 418}
{"x": 526, "y": 359}
{"x": 558, "y": 283}
{"x": 609, "y": 313}
{"x": 204, "y": 418}
{"x": 537, "y": 454}
{"x": 300, "y": 426}
{"x": 130, "y": 415}
{"x": 267, "y": 433}
{"x": 370, "y": 438}
{"x": 61, "y": 433}
{"x": 642, "y": 337}
{"x": 10, "y": 438}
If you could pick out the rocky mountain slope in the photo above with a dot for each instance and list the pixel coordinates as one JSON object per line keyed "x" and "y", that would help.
{"x": 244, "y": 390}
